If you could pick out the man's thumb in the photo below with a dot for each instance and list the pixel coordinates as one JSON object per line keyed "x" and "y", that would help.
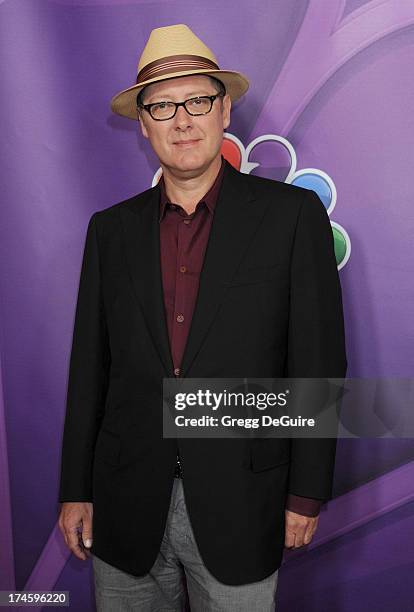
{"x": 87, "y": 538}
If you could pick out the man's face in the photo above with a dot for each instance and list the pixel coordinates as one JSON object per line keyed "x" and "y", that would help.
{"x": 202, "y": 135}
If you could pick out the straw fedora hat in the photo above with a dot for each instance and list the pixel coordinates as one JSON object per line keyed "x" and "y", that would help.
{"x": 170, "y": 52}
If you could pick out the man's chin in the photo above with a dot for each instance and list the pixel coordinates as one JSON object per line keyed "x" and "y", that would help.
{"x": 187, "y": 162}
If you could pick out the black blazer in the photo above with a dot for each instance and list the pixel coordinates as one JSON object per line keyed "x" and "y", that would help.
{"x": 269, "y": 305}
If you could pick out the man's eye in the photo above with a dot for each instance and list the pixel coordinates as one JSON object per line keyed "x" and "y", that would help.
{"x": 162, "y": 105}
{"x": 197, "y": 102}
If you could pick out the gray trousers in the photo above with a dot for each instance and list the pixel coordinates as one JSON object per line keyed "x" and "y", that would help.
{"x": 178, "y": 580}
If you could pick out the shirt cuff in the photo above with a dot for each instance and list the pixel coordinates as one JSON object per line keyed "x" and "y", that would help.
{"x": 307, "y": 506}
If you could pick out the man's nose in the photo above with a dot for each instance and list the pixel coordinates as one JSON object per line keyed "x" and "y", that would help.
{"x": 182, "y": 119}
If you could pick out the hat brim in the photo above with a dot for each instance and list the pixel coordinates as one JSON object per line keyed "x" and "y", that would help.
{"x": 124, "y": 103}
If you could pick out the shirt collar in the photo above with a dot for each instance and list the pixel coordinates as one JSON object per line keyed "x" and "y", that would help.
{"x": 210, "y": 198}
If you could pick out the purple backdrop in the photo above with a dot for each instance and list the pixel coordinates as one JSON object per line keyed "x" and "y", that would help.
{"x": 333, "y": 79}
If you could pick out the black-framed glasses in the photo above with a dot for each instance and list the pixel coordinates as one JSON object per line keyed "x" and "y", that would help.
{"x": 162, "y": 111}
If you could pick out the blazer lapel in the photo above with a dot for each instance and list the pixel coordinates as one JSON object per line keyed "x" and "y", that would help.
{"x": 142, "y": 248}
{"x": 237, "y": 215}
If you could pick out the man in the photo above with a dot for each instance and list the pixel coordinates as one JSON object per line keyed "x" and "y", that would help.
{"x": 211, "y": 273}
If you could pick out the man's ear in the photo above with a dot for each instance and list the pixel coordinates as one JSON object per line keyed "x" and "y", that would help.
{"x": 141, "y": 121}
{"x": 226, "y": 110}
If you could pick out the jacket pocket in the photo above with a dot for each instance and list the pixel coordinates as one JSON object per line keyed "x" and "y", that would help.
{"x": 268, "y": 453}
{"x": 108, "y": 447}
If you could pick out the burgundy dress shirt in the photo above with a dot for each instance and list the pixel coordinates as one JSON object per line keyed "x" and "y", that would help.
{"x": 183, "y": 241}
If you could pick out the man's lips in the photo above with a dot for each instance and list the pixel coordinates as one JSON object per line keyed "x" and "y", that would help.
{"x": 184, "y": 143}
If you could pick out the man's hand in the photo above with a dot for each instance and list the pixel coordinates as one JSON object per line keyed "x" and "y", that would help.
{"x": 299, "y": 529}
{"x": 75, "y": 522}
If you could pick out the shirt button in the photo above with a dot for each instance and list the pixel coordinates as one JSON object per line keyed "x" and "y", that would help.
{"x": 180, "y": 318}
{"x": 183, "y": 269}
{"x": 177, "y": 371}
{"x": 187, "y": 221}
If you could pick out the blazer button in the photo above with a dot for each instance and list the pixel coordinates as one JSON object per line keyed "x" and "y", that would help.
{"x": 180, "y": 318}
{"x": 177, "y": 371}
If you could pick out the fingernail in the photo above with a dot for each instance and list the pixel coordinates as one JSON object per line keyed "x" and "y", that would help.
{"x": 88, "y": 543}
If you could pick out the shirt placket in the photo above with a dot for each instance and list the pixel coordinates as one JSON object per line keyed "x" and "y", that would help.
{"x": 181, "y": 319}
{"x": 183, "y": 278}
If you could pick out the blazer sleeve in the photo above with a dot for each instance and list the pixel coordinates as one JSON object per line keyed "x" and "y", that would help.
{"x": 87, "y": 380}
{"x": 316, "y": 338}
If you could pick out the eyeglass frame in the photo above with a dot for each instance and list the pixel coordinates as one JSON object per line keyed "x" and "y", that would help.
{"x": 147, "y": 107}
